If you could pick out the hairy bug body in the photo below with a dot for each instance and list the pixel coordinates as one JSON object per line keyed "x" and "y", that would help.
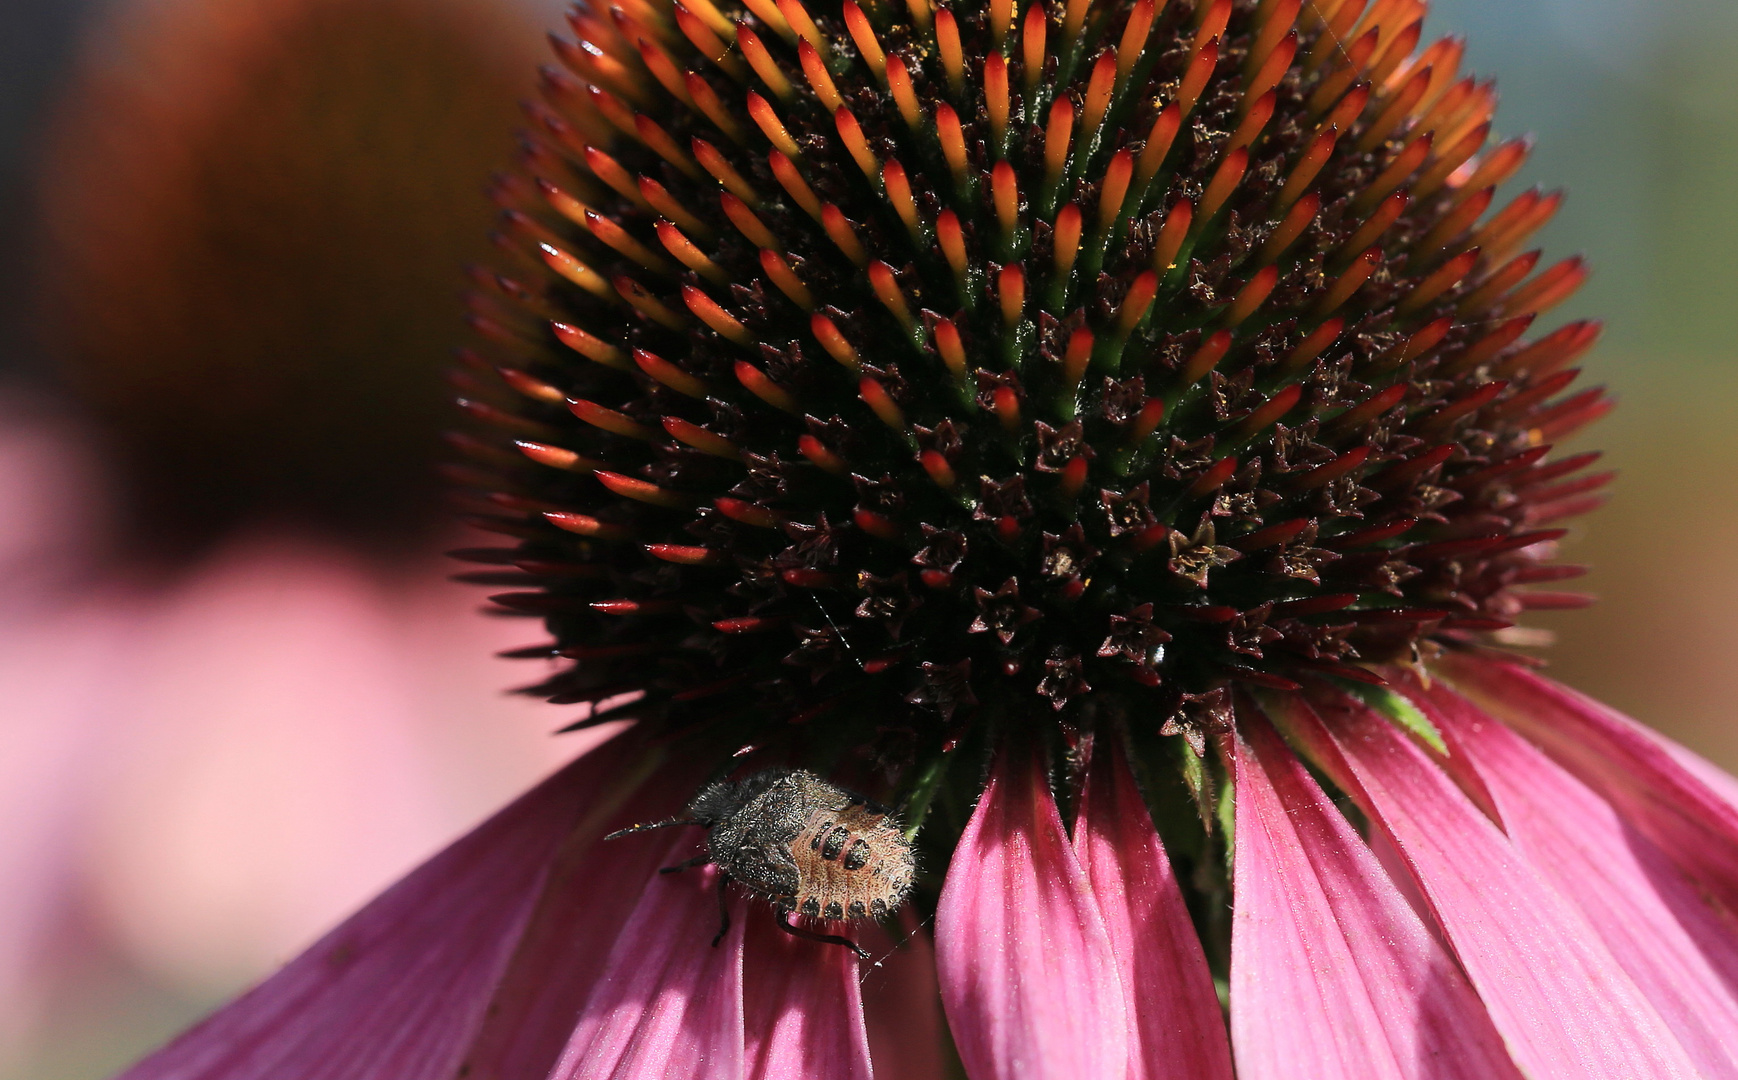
{"x": 802, "y": 843}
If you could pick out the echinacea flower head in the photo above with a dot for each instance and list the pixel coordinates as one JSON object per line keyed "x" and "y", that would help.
{"x": 1113, "y": 435}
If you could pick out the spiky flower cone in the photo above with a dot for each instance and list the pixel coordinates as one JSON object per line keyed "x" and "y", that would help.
{"x": 879, "y": 374}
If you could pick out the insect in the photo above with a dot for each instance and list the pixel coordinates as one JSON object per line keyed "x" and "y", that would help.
{"x": 802, "y": 843}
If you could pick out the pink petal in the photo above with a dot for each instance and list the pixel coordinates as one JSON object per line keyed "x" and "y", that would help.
{"x": 1635, "y": 770}
{"x": 1625, "y": 885}
{"x": 1332, "y": 972}
{"x": 592, "y": 888}
{"x": 1179, "y": 1030}
{"x": 1718, "y": 780}
{"x": 1028, "y": 976}
{"x": 902, "y": 1004}
{"x": 669, "y": 1003}
{"x": 398, "y": 991}
{"x": 802, "y": 1010}
{"x": 1561, "y": 1001}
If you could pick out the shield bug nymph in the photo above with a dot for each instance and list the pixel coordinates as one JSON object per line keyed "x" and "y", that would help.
{"x": 802, "y": 843}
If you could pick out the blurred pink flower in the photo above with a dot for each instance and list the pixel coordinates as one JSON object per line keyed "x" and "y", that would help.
{"x": 230, "y": 713}
{"x": 205, "y": 772}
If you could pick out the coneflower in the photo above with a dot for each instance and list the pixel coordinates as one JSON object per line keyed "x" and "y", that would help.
{"x": 1110, "y": 435}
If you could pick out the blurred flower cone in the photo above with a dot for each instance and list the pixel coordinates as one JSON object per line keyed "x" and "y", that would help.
{"x": 255, "y": 212}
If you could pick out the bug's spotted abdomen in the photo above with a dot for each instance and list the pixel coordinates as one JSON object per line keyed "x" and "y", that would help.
{"x": 852, "y": 862}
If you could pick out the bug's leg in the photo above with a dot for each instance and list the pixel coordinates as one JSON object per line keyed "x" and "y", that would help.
{"x": 667, "y": 823}
{"x": 698, "y": 860}
{"x": 723, "y": 910}
{"x": 826, "y": 939}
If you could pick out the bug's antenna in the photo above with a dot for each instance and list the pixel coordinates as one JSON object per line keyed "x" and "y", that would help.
{"x": 909, "y": 930}
{"x": 1328, "y": 29}
{"x": 667, "y": 823}
{"x": 843, "y": 640}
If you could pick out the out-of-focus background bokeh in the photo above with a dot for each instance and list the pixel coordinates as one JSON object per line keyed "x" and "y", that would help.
{"x": 237, "y": 694}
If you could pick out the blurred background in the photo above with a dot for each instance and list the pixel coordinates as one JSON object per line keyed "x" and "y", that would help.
{"x": 237, "y": 695}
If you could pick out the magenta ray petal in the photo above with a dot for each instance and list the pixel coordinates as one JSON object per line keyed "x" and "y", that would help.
{"x": 802, "y": 1008}
{"x": 1178, "y": 1031}
{"x": 1332, "y": 972}
{"x": 1028, "y": 976}
{"x": 1625, "y": 885}
{"x": 1719, "y": 781}
{"x": 669, "y": 1004}
{"x": 902, "y": 1004}
{"x": 590, "y": 891}
{"x": 398, "y": 991}
{"x": 1563, "y": 1004}
{"x": 1637, "y": 771}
